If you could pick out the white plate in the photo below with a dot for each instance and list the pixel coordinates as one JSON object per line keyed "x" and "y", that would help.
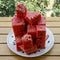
{"x": 12, "y": 46}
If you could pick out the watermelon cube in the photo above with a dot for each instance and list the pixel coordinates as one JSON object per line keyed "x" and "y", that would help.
{"x": 27, "y": 41}
{"x": 41, "y": 34}
{"x": 29, "y": 50}
{"x": 18, "y": 26}
{"x": 21, "y": 10}
{"x": 32, "y": 17}
{"x": 31, "y": 29}
{"x": 40, "y": 43}
{"x": 18, "y": 43}
{"x": 42, "y": 21}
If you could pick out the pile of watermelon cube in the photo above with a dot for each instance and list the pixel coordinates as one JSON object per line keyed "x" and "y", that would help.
{"x": 29, "y": 29}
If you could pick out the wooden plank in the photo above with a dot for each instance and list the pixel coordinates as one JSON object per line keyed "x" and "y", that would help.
{"x": 49, "y": 24}
{"x": 4, "y": 50}
{"x": 50, "y": 19}
{"x": 5, "y": 19}
{"x": 36, "y": 58}
{"x": 57, "y": 38}
{"x": 55, "y": 50}
{"x": 53, "y": 19}
{"x": 4, "y": 37}
{"x": 5, "y": 24}
{"x": 55, "y": 30}
{"x": 6, "y": 30}
{"x": 53, "y": 24}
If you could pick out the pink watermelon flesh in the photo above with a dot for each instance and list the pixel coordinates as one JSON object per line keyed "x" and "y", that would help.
{"x": 41, "y": 34}
{"x": 32, "y": 17}
{"x": 18, "y": 26}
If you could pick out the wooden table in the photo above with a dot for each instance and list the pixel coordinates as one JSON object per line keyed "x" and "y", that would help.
{"x": 53, "y": 23}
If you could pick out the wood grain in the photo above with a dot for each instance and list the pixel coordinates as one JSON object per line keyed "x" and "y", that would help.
{"x": 5, "y": 24}
{"x": 4, "y": 50}
{"x": 3, "y": 38}
{"x": 53, "y": 23}
{"x": 50, "y": 19}
{"x": 4, "y": 30}
{"x": 49, "y": 24}
{"x": 5, "y": 19}
{"x": 23, "y": 58}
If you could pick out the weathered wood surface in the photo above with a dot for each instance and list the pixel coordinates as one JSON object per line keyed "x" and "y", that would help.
{"x": 53, "y": 23}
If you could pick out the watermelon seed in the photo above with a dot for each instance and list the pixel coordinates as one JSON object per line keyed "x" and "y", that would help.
{"x": 48, "y": 41}
{"x": 12, "y": 36}
{"x": 13, "y": 43}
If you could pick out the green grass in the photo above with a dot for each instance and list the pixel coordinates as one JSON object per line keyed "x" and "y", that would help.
{"x": 7, "y": 7}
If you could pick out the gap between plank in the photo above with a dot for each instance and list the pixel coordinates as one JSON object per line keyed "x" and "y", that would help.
{"x": 38, "y": 56}
{"x": 7, "y": 34}
{"x": 46, "y": 26}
